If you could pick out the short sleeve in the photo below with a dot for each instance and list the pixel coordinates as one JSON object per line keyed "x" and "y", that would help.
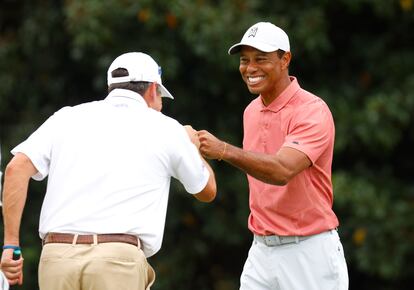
{"x": 38, "y": 147}
{"x": 188, "y": 167}
{"x": 312, "y": 130}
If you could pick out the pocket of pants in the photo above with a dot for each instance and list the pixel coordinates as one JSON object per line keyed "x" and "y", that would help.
{"x": 337, "y": 261}
{"x": 55, "y": 251}
{"x": 150, "y": 276}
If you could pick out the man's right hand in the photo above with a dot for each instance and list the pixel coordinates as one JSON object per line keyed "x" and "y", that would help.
{"x": 210, "y": 146}
{"x": 12, "y": 269}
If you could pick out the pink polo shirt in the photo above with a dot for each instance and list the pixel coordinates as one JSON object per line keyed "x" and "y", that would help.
{"x": 301, "y": 120}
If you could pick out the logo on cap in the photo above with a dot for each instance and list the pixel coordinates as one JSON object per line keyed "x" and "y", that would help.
{"x": 252, "y": 32}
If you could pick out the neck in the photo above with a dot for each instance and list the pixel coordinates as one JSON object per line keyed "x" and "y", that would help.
{"x": 268, "y": 98}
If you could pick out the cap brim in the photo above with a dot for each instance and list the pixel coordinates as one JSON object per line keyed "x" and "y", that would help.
{"x": 260, "y": 46}
{"x": 165, "y": 93}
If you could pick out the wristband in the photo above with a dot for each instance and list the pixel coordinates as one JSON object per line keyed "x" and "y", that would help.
{"x": 5, "y": 247}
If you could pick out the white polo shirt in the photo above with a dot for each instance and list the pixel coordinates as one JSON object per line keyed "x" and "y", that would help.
{"x": 109, "y": 164}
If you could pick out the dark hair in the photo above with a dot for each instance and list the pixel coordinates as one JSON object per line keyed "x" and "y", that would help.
{"x": 280, "y": 52}
{"x": 138, "y": 87}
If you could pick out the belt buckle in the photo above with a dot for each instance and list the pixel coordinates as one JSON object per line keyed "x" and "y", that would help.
{"x": 272, "y": 241}
{"x": 276, "y": 240}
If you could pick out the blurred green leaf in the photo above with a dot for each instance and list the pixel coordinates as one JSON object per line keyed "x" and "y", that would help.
{"x": 357, "y": 55}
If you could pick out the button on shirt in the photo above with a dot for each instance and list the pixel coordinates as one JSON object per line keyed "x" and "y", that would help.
{"x": 109, "y": 164}
{"x": 300, "y": 120}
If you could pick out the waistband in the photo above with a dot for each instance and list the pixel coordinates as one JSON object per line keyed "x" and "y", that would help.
{"x": 63, "y": 238}
{"x": 275, "y": 240}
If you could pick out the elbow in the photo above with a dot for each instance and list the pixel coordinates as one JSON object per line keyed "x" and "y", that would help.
{"x": 208, "y": 194}
{"x": 20, "y": 166}
{"x": 12, "y": 168}
{"x": 280, "y": 179}
{"x": 211, "y": 196}
{"x": 207, "y": 199}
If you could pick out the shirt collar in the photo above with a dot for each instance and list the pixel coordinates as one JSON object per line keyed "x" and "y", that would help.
{"x": 127, "y": 96}
{"x": 283, "y": 98}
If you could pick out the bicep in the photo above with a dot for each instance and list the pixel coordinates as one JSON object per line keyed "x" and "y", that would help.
{"x": 293, "y": 161}
{"x": 23, "y": 165}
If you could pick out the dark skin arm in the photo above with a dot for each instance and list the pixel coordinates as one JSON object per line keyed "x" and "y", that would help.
{"x": 276, "y": 169}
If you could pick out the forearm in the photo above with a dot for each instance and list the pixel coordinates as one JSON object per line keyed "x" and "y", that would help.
{"x": 277, "y": 168}
{"x": 14, "y": 198}
{"x": 209, "y": 192}
{"x": 264, "y": 167}
{"x": 16, "y": 181}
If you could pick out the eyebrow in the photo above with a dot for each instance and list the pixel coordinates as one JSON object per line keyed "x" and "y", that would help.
{"x": 256, "y": 55}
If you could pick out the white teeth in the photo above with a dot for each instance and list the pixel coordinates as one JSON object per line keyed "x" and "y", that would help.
{"x": 254, "y": 80}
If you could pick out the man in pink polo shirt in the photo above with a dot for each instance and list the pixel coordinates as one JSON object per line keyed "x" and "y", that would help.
{"x": 287, "y": 155}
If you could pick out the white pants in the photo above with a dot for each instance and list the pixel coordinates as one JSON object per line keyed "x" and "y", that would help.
{"x": 317, "y": 263}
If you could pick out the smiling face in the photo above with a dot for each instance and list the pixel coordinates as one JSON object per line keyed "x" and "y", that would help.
{"x": 264, "y": 73}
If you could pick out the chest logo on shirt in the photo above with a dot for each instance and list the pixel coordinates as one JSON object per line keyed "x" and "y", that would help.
{"x": 295, "y": 142}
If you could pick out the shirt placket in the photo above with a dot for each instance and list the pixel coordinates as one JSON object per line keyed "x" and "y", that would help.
{"x": 264, "y": 128}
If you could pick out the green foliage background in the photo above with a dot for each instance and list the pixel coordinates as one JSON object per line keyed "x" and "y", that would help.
{"x": 358, "y": 55}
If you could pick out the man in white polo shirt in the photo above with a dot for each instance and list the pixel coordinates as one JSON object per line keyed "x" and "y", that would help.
{"x": 109, "y": 164}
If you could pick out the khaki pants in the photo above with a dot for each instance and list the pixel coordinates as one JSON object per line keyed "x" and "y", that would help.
{"x": 106, "y": 266}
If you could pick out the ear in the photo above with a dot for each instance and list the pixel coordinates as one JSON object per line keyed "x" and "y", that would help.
{"x": 150, "y": 94}
{"x": 153, "y": 88}
{"x": 287, "y": 56}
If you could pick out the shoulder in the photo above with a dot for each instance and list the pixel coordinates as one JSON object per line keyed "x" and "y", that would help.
{"x": 72, "y": 114}
{"x": 308, "y": 108}
{"x": 305, "y": 100}
{"x": 78, "y": 108}
{"x": 164, "y": 119}
{"x": 166, "y": 124}
{"x": 254, "y": 105}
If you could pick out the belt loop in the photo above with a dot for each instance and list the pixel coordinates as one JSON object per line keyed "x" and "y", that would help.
{"x": 75, "y": 239}
{"x": 278, "y": 240}
{"x": 297, "y": 239}
{"x": 44, "y": 240}
{"x": 95, "y": 239}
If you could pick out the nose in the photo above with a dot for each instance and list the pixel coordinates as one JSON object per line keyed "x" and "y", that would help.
{"x": 251, "y": 67}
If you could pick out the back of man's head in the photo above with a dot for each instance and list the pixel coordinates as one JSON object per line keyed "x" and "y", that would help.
{"x": 136, "y": 68}
{"x": 138, "y": 87}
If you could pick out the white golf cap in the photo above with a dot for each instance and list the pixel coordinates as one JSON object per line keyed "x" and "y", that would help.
{"x": 265, "y": 37}
{"x": 141, "y": 68}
